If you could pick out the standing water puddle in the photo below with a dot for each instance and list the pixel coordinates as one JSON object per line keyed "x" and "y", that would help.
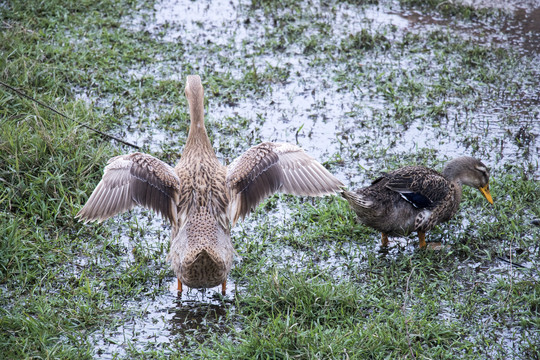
{"x": 163, "y": 322}
{"x": 314, "y": 110}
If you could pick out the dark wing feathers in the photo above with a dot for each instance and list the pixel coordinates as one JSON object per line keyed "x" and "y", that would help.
{"x": 131, "y": 180}
{"x": 420, "y": 186}
{"x": 417, "y": 200}
{"x": 270, "y": 167}
{"x": 251, "y": 178}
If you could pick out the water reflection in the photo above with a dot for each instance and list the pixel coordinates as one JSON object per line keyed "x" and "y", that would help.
{"x": 195, "y": 321}
{"x": 521, "y": 26}
{"x": 168, "y": 322}
{"x": 523, "y": 29}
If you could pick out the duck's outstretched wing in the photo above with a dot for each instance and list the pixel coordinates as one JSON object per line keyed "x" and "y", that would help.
{"x": 270, "y": 167}
{"x": 131, "y": 180}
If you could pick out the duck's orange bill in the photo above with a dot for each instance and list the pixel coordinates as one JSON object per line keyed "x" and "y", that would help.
{"x": 485, "y": 191}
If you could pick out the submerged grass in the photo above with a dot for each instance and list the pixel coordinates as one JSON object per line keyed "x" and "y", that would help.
{"x": 312, "y": 283}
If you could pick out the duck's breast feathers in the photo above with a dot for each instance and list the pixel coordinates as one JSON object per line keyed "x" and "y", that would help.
{"x": 130, "y": 180}
{"x": 420, "y": 186}
{"x": 270, "y": 167}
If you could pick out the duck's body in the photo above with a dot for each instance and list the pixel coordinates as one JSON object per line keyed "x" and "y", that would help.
{"x": 416, "y": 198}
{"x": 201, "y": 197}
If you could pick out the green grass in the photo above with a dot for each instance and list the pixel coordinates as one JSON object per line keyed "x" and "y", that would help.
{"x": 452, "y": 8}
{"x": 311, "y": 282}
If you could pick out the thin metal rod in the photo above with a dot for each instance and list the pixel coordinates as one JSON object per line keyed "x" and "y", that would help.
{"x": 20, "y": 93}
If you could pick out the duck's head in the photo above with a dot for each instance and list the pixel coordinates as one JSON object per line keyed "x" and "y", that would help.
{"x": 195, "y": 96}
{"x": 194, "y": 87}
{"x": 469, "y": 171}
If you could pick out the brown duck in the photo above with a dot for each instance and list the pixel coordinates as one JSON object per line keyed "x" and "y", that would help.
{"x": 415, "y": 198}
{"x": 201, "y": 197}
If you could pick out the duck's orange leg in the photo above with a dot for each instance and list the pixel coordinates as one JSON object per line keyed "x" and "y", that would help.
{"x": 179, "y": 285}
{"x": 223, "y": 287}
{"x": 422, "y": 238}
{"x": 384, "y": 239}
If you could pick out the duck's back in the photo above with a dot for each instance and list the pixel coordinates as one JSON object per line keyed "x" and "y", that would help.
{"x": 382, "y": 209}
{"x": 403, "y": 200}
{"x": 201, "y": 249}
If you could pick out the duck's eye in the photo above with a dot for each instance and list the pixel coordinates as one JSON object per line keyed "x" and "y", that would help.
{"x": 484, "y": 173}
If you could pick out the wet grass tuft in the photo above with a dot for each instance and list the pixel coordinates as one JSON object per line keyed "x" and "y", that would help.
{"x": 363, "y": 40}
{"x": 449, "y": 9}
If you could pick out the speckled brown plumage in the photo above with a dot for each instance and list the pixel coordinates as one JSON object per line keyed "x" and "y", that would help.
{"x": 415, "y": 198}
{"x": 200, "y": 196}
{"x": 269, "y": 167}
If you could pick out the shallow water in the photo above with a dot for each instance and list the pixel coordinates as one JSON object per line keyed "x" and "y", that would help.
{"x": 160, "y": 322}
{"x": 313, "y": 110}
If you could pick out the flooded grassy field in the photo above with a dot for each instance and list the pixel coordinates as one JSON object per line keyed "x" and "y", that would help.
{"x": 363, "y": 86}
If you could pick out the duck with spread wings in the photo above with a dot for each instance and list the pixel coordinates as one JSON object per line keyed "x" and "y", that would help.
{"x": 201, "y": 197}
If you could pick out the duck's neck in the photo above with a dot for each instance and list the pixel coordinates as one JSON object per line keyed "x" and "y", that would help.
{"x": 197, "y": 140}
{"x": 453, "y": 173}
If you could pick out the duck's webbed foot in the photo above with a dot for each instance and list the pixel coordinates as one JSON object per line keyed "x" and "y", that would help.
{"x": 384, "y": 239}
